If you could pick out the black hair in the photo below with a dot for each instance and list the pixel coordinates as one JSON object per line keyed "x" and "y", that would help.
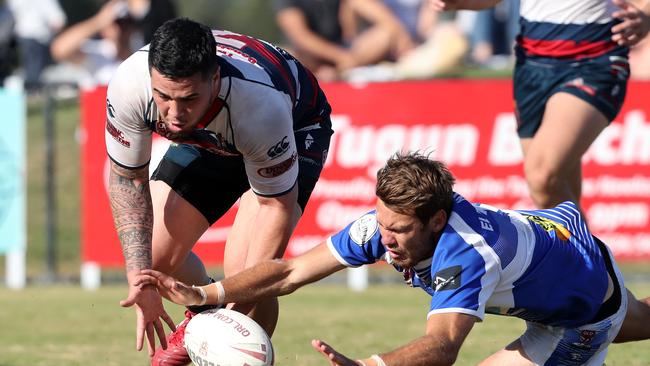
{"x": 182, "y": 47}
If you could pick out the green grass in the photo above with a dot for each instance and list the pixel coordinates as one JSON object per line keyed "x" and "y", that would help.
{"x": 63, "y": 325}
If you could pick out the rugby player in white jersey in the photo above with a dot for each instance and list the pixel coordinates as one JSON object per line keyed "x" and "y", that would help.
{"x": 542, "y": 266}
{"x": 570, "y": 82}
{"x": 247, "y": 122}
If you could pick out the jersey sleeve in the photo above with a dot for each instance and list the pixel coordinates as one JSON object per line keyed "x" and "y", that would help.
{"x": 128, "y": 139}
{"x": 464, "y": 271}
{"x": 266, "y": 140}
{"x": 359, "y": 243}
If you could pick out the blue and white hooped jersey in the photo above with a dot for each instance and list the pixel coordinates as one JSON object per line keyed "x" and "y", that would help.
{"x": 568, "y": 29}
{"x": 540, "y": 265}
{"x": 265, "y": 96}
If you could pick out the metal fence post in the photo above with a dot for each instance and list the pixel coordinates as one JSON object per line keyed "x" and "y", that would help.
{"x": 50, "y": 189}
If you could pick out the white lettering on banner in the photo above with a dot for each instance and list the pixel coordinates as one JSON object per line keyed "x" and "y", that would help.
{"x": 302, "y": 243}
{"x": 611, "y": 216}
{"x": 505, "y": 148}
{"x": 488, "y": 187}
{"x": 334, "y": 216}
{"x": 622, "y": 244}
{"x": 370, "y": 146}
{"x": 358, "y": 189}
{"x": 610, "y": 186}
{"x": 627, "y": 143}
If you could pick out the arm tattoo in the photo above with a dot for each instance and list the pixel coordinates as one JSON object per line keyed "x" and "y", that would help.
{"x": 132, "y": 214}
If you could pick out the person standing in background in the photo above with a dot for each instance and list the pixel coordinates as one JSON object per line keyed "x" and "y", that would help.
{"x": 37, "y": 21}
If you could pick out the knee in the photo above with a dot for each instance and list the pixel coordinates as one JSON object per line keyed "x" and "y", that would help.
{"x": 541, "y": 178}
{"x": 166, "y": 261}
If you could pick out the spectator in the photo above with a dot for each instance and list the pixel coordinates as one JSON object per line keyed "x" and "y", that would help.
{"x": 37, "y": 21}
{"x": 493, "y": 34}
{"x": 439, "y": 45}
{"x": 100, "y": 43}
{"x": 6, "y": 41}
{"x": 331, "y": 37}
{"x": 150, "y": 14}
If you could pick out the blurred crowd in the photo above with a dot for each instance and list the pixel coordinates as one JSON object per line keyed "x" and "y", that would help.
{"x": 353, "y": 40}
{"x": 40, "y": 47}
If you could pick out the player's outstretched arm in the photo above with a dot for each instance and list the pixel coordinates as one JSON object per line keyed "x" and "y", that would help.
{"x": 439, "y": 346}
{"x": 133, "y": 217}
{"x": 270, "y": 278}
{"x": 635, "y": 21}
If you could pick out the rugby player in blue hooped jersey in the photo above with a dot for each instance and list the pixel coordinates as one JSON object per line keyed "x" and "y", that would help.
{"x": 247, "y": 122}
{"x": 542, "y": 266}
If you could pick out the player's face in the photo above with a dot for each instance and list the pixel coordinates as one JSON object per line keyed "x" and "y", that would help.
{"x": 182, "y": 102}
{"x": 406, "y": 238}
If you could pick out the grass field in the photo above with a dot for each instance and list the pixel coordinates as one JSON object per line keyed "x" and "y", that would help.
{"x": 65, "y": 326}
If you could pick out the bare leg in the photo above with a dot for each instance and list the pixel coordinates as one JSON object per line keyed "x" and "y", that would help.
{"x": 552, "y": 156}
{"x": 176, "y": 228}
{"x": 636, "y": 326}
{"x": 240, "y": 250}
{"x": 512, "y": 355}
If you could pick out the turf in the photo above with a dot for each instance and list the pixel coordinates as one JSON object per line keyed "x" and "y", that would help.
{"x": 64, "y": 325}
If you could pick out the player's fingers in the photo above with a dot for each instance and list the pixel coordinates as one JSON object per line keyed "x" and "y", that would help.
{"x": 151, "y": 340}
{"x": 144, "y": 279}
{"x": 170, "y": 322}
{"x": 129, "y": 301}
{"x": 161, "y": 333}
{"x": 139, "y": 332}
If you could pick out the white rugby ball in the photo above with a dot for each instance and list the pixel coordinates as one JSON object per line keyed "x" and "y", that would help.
{"x": 221, "y": 337}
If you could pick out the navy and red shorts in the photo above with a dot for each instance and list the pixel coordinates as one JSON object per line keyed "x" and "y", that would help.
{"x": 601, "y": 82}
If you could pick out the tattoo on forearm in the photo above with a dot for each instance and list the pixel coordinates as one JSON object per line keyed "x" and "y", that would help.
{"x": 132, "y": 214}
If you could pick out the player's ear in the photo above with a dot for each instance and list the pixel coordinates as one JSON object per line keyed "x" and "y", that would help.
{"x": 438, "y": 221}
{"x": 216, "y": 78}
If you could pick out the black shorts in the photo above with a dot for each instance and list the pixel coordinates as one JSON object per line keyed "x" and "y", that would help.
{"x": 213, "y": 183}
{"x": 601, "y": 82}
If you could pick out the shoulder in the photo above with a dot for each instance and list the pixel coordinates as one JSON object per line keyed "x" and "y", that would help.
{"x": 129, "y": 90}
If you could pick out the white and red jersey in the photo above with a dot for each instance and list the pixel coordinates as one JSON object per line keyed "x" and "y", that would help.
{"x": 568, "y": 29}
{"x": 265, "y": 96}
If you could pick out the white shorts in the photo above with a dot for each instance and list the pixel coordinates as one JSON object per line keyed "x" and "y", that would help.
{"x": 585, "y": 345}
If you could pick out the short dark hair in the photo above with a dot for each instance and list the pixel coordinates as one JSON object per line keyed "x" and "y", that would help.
{"x": 412, "y": 184}
{"x": 182, "y": 47}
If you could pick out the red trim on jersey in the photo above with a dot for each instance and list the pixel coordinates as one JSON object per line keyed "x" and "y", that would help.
{"x": 566, "y": 48}
{"x": 259, "y": 47}
{"x": 215, "y": 108}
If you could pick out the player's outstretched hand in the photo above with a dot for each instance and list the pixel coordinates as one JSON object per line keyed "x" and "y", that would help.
{"x": 173, "y": 290}
{"x": 335, "y": 358}
{"x": 634, "y": 25}
{"x": 149, "y": 310}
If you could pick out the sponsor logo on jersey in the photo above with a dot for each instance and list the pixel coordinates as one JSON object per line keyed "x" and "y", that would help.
{"x": 117, "y": 134}
{"x": 308, "y": 141}
{"x": 448, "y": 278}
{"x": 279, "y": 148}
{"x": 363, "y": 229}
{"x": 549, "y": 225}
{"x": 278, "y": 169}
{"x": 110, "y": 109}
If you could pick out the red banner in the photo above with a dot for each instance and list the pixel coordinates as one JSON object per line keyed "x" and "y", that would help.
{"x": 469, "y": 124}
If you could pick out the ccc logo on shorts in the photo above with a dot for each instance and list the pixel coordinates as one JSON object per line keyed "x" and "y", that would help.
{"x": 278, "y": 149}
